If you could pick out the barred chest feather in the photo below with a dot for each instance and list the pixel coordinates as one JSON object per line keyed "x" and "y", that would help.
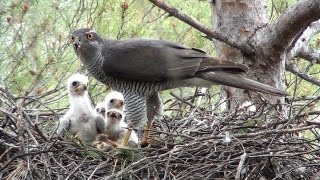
{"x": 125, "y": 86}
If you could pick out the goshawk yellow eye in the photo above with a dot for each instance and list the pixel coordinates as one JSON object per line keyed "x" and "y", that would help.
{"x": 89, "y": 36}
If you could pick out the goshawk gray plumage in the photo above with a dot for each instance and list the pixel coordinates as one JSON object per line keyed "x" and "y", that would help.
{"x": 140, "y": 68}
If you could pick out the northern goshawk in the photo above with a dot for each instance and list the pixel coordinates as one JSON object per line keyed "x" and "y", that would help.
{"x": 140, "y": 68}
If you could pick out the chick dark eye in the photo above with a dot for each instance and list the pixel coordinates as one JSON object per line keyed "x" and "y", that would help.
{"x": 108, "y": 114}
{"x": 112, "y": 101}
{"x": 89, "y": 36}
{"x": 120, "y": 116}
{"x": 75, "y": 83}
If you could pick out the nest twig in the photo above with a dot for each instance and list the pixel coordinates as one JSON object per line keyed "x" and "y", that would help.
{"x": 196, "y": 144}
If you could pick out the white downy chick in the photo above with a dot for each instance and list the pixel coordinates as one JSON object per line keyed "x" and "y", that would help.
{"x": 101, "y": 109}
{"x": 114, "y": 100}
{"x": 115, "y": 128}
{"x": 81, "y": 119}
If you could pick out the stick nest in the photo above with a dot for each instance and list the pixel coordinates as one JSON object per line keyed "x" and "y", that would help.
{"x": 191, "y": 142}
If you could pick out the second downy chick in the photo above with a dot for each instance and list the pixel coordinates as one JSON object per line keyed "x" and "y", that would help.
{"x": 116, "y": 132}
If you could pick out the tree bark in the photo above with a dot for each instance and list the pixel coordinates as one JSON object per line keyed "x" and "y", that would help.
{"x": 242, "y": 32}
{"x": 246, "y": 21}
{"x": 240, "y": 20}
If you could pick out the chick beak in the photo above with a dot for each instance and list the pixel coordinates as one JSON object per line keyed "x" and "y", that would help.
{"x": 114, "y": 115}
{"x": 119, "y": 104}
{"x": 81, "y": 87}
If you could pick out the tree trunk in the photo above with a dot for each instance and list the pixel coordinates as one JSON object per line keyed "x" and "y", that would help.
{"x": 241, "y": 21}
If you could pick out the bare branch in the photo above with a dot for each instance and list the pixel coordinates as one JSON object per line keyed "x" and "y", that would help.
{"x": 310, "y": 54}
{"x": 301, "y": 44}
{"x": 277, "y": 36}
{"x": 293, "y": 69}
{"x": 301, "y": 98}
{"x": 243, "y": 46}
{"x": 262, "y": 133}
{"x": 240, "y": 166}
